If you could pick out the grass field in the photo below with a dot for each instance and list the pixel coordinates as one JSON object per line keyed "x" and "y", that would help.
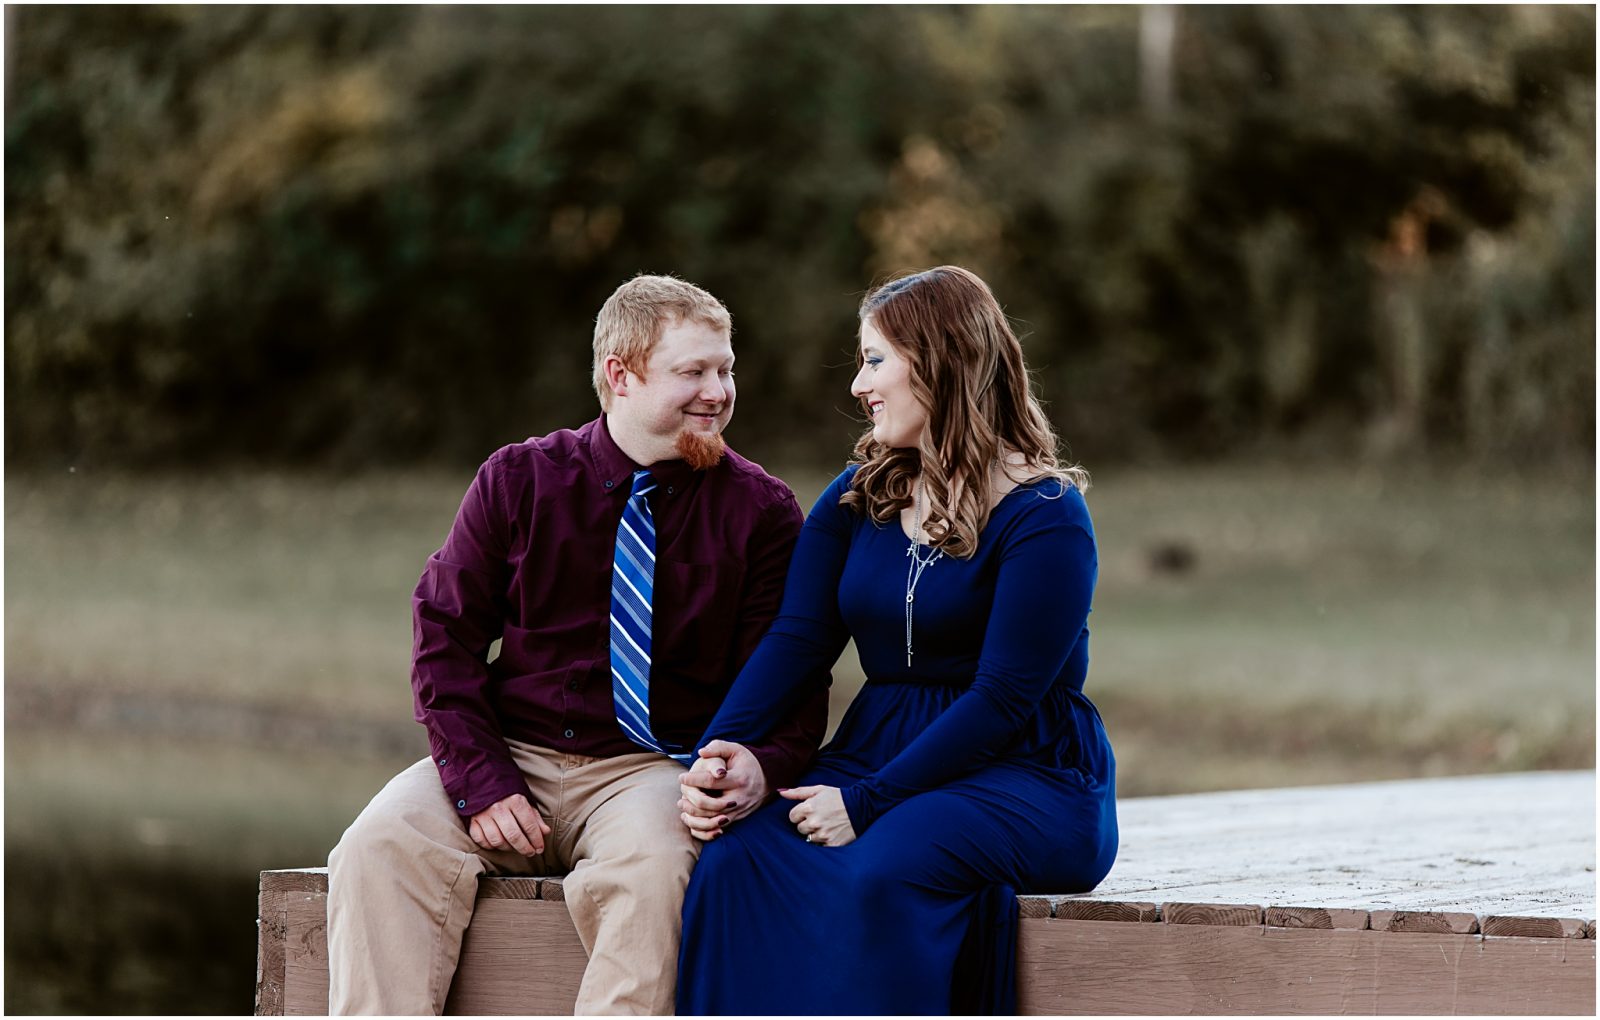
{"x": 1429, "y": 605}
{"x": 177, "y": 649}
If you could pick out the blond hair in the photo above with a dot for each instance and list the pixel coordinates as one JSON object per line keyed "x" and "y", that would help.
{"x": 968, "y": 374}
{"x": 633, "y": 318}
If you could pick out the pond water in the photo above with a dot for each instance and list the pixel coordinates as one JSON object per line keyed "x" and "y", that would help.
{"x": 99, "y": 934}
{"x": 133, "y": 862}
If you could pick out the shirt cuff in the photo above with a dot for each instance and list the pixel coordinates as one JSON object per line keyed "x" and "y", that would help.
{"x": 470, "y": 791}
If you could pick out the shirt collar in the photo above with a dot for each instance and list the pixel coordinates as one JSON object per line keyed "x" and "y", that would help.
{"x": 615, "y": 468}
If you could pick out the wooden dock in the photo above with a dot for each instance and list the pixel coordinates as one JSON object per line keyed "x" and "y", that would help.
{"x": 1438, "y": 896}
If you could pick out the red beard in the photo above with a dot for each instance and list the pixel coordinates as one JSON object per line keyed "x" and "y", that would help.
{"x": 702, "y": 451}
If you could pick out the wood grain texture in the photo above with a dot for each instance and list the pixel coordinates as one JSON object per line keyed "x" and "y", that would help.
{"x": 1034, "y": 906}
{"x": 1534, "y": 927}
{"x": 523, "y": 956}
{"x": 520, "y": 957}
{"x": 305, "y": 955}
{"x": 1526, "y": 975}
{"x": 1514, "y": 844}
{"x": 551, "y": 889}
{"x": 1428, "y": 922}
{"x": 295, "y": 880}
{"x": 1068, "y": 908}
{"x": 1588, "y": 930}
{"x": 1229, "y": 914}
{"x": 1099, "y": 967}
{"x": 1323, "y": 918}
{"x": 515, "y": 888}
{"x": 272, "y": 928}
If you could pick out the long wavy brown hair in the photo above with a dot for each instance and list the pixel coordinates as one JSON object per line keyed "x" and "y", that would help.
{"x": 968, "y": 374}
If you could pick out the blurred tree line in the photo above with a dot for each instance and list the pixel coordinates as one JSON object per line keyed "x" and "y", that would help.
{"x": 342, "y": 235}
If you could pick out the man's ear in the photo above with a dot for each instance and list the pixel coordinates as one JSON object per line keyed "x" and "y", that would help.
{"x": 616, "y": 374}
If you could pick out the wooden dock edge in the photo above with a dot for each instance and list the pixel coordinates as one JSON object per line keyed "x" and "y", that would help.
{"x": 1076, "y": 955}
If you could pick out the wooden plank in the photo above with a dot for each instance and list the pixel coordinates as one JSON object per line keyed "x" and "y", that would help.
{"x": 551, "y": 889}
{"x": 1515, "y": 845}
{"x": 1100, "y": 967}
{"x": 520, "y": 957}
{"x": 1069, "y": 908}
{"x": 1424, "y": 922}
{"x": 1526, "y": 975}
{"x": 1033, "y": 906}
{"x": 1323, "y": 918}
{"x": 511, "y": 888}
{"x": 305, "y": 972}
{"x": 1588, "y": 930}
{"x": 272, "y": 926}
{"x": 295, "y": 880}
{"x": 512, "y": 936}
{"x": 1230, "y": 914}
{"x": 1534, "y": 927}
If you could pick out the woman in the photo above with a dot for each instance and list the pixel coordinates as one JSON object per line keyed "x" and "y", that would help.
{"x": 960, "y": 556}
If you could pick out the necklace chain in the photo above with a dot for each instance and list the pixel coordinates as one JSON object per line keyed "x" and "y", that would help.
{"x": 919, "y": 563}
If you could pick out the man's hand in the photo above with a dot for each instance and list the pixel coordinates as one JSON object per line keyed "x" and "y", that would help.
{"x": 725, "y": 785}
{"x": 820, "y": 816}
{"x": 510, "y": 824}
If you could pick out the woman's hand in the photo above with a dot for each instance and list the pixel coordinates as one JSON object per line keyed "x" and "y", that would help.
{"x": 820, "y": 816}
{"x": 724, "y": 785}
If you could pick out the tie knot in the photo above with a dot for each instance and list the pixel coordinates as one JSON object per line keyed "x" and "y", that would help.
{"x": 643, "y": 483}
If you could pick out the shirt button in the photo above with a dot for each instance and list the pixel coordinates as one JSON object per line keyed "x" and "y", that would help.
{"x": 609, "y": 483}
{"x": 461, "y": 804}
{"x": 572, "y": 685}
{"x": 443, "y": 762}
{"x": 670, "y": 490}
{"x": 569, "y": 734}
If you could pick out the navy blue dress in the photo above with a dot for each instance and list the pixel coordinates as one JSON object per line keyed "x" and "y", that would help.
{"x": 979, "y": 771}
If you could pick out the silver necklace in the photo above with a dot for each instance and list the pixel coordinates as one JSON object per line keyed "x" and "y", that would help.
{"x": 919, "y": 563}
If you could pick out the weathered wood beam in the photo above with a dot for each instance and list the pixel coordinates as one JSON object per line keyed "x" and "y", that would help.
{"x": 1076, "y": 955}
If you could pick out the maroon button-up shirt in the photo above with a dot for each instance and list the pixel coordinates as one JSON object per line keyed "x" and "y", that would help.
{"x": 528, "y": 561}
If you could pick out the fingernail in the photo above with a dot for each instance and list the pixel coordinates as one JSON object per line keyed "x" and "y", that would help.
{"x": 721, "y": 773}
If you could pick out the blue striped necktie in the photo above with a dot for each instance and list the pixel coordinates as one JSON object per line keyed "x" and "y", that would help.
{"x": 633, "y": 574}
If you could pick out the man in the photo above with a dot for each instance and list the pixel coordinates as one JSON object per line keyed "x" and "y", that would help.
{"x": 628, "y": 569}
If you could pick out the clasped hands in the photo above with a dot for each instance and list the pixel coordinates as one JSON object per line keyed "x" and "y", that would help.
{"x": 726, "y": 784}
{"x": 723, "y": 786}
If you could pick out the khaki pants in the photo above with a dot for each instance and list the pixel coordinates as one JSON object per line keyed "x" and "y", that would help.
{"x": 403, "y": 879}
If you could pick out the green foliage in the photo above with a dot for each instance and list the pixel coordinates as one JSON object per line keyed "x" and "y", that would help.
{"x": 360, "y": 234}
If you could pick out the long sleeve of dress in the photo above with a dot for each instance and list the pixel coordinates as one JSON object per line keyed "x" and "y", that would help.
{"x": 1041, "y": 603}
{"x": 805, "y": 639}
{"x": 791, "y": 743}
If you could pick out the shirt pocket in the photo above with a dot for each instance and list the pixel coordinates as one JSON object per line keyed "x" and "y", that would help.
{"x": 696, "y": 610}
